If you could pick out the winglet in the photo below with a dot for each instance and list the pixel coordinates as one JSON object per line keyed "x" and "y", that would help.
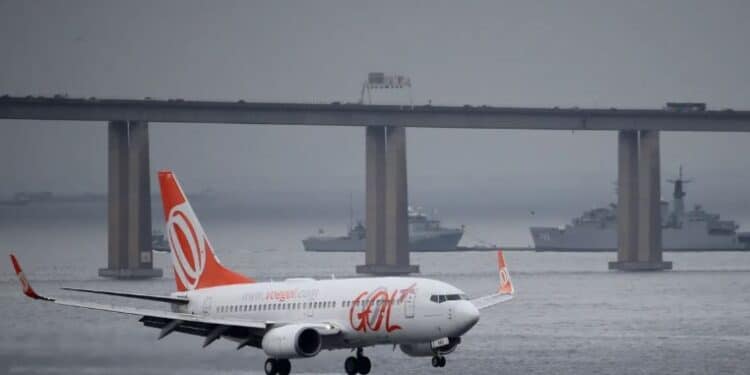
{"x": 25, "y": 285}
{"x": 506, "y": 287}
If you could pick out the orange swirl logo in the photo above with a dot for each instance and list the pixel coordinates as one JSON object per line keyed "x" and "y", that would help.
{"x": 188, "y": 243}
{"x": 505, "y": 286}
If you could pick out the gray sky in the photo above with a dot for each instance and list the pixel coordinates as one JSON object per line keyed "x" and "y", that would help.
{"x": 552, "y": 53}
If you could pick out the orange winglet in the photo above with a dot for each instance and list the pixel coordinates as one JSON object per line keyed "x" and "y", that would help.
{"x": 506, "y": 286}
{"x": 25, "y": 285}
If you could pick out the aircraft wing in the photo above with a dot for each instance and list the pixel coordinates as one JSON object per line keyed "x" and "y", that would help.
{"x": 504, "y": 292}
{"x": 149, "y": 297}
{"x": 491, "y": 300}
{"x": 248, "y": 333}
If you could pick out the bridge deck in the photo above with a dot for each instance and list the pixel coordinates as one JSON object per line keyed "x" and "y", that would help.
{"x": 335, "y": 114}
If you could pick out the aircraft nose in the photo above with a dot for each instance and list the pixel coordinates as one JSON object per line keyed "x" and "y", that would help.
{"x": 469, "y": 314}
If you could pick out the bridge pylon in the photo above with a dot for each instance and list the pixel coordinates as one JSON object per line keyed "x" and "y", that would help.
{"x": 129, "y": 253}
{"x": 639, "y": 232}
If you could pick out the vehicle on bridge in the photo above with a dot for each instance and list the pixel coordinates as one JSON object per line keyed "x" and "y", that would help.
{"x": 295, "y": 318}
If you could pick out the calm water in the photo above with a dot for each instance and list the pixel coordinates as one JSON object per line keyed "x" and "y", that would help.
{"x": 570, "y": 316}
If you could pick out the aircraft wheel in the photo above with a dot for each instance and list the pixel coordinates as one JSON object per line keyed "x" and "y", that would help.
{"x": 284, "y": 367}
{"x": 271, "y": 367}
{"x": 364, "y": 365}
{"x": 350, "y": 366}
{"x": 435, "y": 361}
{"x": 442, "y": 361}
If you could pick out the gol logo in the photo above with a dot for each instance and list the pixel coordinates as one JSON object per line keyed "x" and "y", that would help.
{"x": 373, "y": 310}
{"x": 188, "y": 243}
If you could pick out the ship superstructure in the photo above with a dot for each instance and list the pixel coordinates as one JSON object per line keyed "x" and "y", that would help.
{"x": 425, "y": 234}
{"x": 596, "y": 229}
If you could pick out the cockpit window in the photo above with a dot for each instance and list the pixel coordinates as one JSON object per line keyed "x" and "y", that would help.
{"x": 440, "y": 298}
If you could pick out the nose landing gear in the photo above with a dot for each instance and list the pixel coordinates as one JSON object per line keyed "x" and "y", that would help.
{"x": 438, "y": 361}
{"x": 359, "y": 364}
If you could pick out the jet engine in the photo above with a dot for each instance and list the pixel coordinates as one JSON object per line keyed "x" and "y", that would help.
{"x": 428, "y": 349}
{"x": 291, "y": 341}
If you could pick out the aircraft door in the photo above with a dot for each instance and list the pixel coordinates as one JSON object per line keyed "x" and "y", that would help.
{"x": 207, "y": 305}
{"x": 410, "y": 305}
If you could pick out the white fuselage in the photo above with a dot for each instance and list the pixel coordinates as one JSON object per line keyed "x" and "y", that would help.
{"x": 368, "y": 311}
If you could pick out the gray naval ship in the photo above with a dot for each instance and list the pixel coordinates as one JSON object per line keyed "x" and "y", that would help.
{"x": 425, "y": 234}
{"x": 596, "y": 230}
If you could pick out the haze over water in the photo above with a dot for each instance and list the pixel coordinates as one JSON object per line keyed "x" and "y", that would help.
{"x": 570, "y": 316}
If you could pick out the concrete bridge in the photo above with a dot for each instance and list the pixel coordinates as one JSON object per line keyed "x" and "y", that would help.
{"x": 387, "y": 253}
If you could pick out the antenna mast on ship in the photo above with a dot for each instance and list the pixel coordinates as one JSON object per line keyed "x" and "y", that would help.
{"x": 351, "y": 212}
{"x": 678, "y": 204}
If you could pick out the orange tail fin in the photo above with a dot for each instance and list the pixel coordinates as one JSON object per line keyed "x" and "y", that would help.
{"x": 193, "y": 259}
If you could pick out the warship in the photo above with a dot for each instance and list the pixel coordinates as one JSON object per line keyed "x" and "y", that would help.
{"x": 694, "y": 230}
{"x": 159, "y": 241}
{"x": 425, "y": 234}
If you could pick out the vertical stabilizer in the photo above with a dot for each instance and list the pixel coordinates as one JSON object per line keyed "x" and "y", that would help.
{"x": 193, "y": 259}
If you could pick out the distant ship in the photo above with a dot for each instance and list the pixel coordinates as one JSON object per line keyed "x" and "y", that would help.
{"x": 596, "y": 230}
{"x": 425, "y": 234}
{"x": 159, "y": 241}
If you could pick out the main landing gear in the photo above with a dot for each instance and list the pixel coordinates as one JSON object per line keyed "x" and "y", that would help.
{"x": 277, "y": 366}
{"x": 359, "y": 364}
{"x": 438, "y": 361}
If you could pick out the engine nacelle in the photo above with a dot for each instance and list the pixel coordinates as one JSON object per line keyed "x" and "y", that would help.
{"x": 428, "y": 349}
{"x": 291, "y": 341}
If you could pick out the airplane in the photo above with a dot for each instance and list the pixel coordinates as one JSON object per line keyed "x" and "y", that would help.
{"x": 297, "y": 317}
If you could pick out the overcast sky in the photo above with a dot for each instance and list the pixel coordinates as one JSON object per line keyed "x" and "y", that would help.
{"x": 529, "y": 53}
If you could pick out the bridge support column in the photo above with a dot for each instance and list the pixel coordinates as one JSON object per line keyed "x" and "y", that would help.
{"x": 129, "y": 201}
{"x": 375, "y": 194}
{"x": 639, "y": 245}
{"x": 387, "y": 244}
